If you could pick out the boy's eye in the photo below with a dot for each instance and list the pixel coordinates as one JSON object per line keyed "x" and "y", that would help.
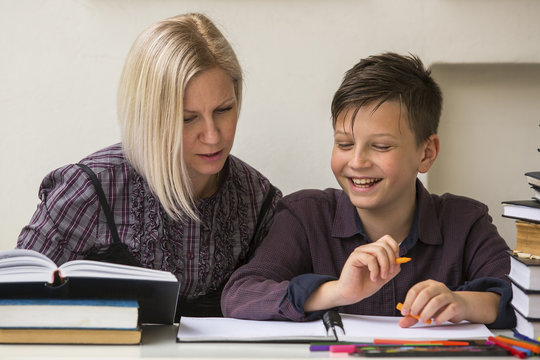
{"x": 382, "y": 147}
{"x": 344, "y": 146}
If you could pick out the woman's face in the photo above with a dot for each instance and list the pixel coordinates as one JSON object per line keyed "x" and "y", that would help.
{"x": 210, "y": 117}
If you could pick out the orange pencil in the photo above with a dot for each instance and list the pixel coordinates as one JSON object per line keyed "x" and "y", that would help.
{"x": 402, "y": 260}
{"x": 399, "y": 306}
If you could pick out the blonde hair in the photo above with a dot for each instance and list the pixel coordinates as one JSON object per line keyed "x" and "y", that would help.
{"x": 162, "y": 60}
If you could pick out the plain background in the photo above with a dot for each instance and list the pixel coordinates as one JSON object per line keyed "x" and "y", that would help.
{"x": 61, "y": 60}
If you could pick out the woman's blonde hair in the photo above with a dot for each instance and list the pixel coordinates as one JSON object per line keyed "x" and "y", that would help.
{"x": 162, "y": 60}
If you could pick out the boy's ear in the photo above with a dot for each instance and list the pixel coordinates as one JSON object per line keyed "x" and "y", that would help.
{"x": 431, "y": 150}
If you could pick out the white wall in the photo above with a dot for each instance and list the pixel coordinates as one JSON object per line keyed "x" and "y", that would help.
{"x": 489, "y": 135}
{"x": 61, "y": 59}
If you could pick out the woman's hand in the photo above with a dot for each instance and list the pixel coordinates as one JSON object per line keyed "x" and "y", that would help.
{"x": 433, "y": 300}
{"x": 366, "y": 270}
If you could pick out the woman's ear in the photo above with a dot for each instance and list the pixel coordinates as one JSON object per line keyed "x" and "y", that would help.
{"x": 431, "y": 150}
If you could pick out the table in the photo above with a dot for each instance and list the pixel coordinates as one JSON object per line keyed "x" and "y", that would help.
{"x": 159, "y": 342}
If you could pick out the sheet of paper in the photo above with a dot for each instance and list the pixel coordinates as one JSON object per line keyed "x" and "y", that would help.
{"x": 227, "y": 329}
{"x": 357, "y": 328}
{"x": 366, "y": 328}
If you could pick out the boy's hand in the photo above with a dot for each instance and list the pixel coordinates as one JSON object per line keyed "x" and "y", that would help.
{"x": 431, "y": 299}
{"x": 367, "y": 269}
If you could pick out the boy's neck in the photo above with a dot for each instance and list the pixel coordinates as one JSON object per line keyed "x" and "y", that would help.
{"x": 396, "y": 222}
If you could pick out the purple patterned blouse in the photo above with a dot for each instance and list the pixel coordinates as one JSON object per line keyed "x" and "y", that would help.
{"x": 69, "y": 222}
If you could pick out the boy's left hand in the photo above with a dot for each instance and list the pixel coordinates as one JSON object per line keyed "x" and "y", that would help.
{"x": 431, "y": 299}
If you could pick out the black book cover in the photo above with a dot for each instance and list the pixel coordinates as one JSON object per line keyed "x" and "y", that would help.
{"x": 157, "y": 299}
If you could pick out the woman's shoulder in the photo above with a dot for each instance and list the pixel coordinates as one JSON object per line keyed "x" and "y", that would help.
{"x": 106, "y": 159}
{"x": 243, "y": 174}
{"x": 109, "y": 165}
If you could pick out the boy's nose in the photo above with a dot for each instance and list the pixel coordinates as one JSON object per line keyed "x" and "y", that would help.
{"x": 359, "y": 161}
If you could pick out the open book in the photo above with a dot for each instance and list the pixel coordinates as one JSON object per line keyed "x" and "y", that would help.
{"x": 355, "y": 328}
{"x": 29, "y": 274}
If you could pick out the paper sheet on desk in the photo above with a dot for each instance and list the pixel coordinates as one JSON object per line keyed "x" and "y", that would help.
{"x": 357, "y": 328}
{"x": 360, "y": 327}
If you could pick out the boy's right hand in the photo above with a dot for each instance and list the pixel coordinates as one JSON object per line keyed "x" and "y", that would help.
{"x": 366, "y": 270}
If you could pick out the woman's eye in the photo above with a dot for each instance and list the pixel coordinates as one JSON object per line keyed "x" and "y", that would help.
{"x": 188, "y": 119}
{"x": 223, "y": 110}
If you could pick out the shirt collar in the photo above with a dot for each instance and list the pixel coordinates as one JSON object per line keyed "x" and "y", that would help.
{"x": 425, "y": 227}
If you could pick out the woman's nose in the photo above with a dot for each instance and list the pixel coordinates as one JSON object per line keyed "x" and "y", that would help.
{"x": 210, "y": 132}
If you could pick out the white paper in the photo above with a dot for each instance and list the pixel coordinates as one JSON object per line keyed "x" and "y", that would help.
{"x": 357, "y": 328}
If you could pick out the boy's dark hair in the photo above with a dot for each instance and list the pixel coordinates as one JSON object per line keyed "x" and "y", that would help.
{"x": 389, "y": 77}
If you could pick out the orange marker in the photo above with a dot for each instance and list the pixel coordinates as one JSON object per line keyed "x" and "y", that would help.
{"x": 399, "y": 306}
{"x": 402, "y": 260}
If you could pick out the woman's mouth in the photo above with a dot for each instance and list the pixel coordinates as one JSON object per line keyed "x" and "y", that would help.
{"x": 211, "y": 156}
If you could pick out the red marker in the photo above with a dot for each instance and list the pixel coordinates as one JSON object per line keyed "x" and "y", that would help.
{"x": 520, "y": 354}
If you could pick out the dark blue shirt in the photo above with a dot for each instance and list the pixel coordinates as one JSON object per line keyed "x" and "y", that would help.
{"x": 452, "y": 240}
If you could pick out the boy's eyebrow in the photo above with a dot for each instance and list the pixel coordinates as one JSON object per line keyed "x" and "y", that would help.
{"x": 341, "y": 132}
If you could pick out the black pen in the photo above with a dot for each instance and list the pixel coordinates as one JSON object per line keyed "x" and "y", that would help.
{"x": 331, "y": 320}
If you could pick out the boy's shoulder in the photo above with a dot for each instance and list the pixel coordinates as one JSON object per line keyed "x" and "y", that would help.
{"x": 453, "y": 201}
{"x": 450, "y": 207}
{"x": 328, "y": 195}
{"x": 309, "y": 202}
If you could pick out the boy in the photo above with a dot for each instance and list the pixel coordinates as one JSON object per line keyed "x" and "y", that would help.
{"x": 338, "y": 249}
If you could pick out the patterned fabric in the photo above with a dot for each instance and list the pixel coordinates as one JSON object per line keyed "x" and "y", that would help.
{"x": 314, "y": 232}
{"x": 69, "y": 223}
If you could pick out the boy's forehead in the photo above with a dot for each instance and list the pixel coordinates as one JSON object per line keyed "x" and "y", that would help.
{"x": 389, "y": 112}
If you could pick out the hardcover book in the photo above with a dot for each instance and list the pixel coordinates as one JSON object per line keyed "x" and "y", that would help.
{"x": 527, "y": 326}
{"x": 69, "y": 313}
{"x": 527, "y": 237}
{"x": 525, "y": 272}
{"x": 27, "y": 274}
{"x": 528, "y": 210}
{"x": 70, "y": 336}
{"x": 527, "y": 302}
{"x": 533, "y": 177}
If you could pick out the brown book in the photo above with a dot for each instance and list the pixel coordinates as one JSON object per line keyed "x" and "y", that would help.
{"x": 69, "y": 336}
{"x": 527, "y": 238}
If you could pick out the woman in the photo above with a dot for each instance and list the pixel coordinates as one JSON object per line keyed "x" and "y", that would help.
{"x": 178, "y": 200}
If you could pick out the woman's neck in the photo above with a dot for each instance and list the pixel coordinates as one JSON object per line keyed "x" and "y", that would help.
{"x": 204, "y": 188}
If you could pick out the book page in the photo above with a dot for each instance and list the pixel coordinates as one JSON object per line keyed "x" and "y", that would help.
{"x": 227, "y": 329}
{"x": 23, "y": 265}
{"x": 97, "y": 269}
{"x": 366, "y": 328}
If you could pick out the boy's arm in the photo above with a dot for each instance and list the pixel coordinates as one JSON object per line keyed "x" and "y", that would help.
{"x": 257, "y": 290}
{"x": 486, "y": 263}
{"x": 366, "y": 270}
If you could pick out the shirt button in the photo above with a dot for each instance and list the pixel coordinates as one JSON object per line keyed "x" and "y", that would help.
{"x": 190, "y": 255}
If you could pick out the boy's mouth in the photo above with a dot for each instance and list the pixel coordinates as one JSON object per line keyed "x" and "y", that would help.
{"x": 365, "y": 182}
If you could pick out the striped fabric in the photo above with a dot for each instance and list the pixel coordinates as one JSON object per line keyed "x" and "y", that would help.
{"x": 69, "y": 222}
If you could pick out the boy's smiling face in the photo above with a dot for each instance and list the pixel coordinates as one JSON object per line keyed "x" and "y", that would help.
{"x": 376, "y": 161}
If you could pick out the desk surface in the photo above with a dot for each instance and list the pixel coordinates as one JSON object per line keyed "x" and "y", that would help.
{"x": 159, "y": 342}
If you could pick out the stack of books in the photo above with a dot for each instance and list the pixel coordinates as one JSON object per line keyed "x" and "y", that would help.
{"x": 525, "y": 278}
{"x": 525, "y": 258}
{"x": 69, "y": 321}
{"x": 527, "y": 219}
{"x": 80, "y": 302}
